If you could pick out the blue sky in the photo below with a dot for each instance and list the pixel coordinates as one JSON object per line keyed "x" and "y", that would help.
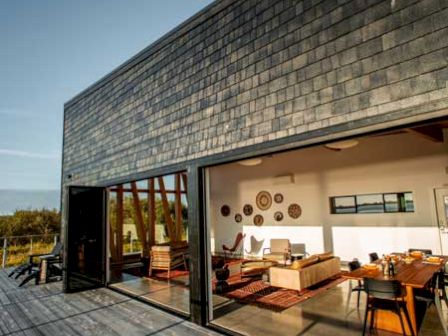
{"x": 50, "y": 50}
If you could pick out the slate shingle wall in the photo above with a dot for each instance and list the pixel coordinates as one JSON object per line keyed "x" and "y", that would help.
{"x": 247, "y": 72}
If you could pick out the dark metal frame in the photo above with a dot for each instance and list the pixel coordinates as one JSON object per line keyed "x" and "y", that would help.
{"x": 199, "y": 308}
{"x": 400, "y": 196}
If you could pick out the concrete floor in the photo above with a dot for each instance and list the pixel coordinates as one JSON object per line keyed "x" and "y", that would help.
{"x": 171, "y": 294}
{"x": 324, "y": 314}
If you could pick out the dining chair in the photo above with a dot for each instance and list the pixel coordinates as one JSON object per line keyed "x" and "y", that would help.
{"x": 433, "y": 295}
{"x": 425, "y": 251}
{"x": 385, "y": 295}
{"x": 354, "y": 265}
{"x": 373, "y": 256}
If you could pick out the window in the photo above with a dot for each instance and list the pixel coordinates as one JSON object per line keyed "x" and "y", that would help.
{"x": 372, "y": 203}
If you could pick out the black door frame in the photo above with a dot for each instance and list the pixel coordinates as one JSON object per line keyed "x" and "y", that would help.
{"x": 102, "y": 283}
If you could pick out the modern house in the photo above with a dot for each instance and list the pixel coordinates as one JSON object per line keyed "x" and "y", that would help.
{"x": 323, "y": 123}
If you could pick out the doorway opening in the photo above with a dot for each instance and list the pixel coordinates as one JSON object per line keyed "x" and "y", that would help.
{"x": 148, "y": 240}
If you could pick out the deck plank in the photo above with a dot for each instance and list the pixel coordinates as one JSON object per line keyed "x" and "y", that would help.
{"x": 44, "y": 310}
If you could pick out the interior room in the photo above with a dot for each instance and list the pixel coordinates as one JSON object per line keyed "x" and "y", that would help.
{"x": 148, "y": 240}
{"x": 335, "y": 202}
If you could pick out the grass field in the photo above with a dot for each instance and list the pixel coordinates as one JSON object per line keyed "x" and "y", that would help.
{"x": 18, "y": 253}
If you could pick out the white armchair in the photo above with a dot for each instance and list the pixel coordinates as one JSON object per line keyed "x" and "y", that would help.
{"x": 279, "y": 250}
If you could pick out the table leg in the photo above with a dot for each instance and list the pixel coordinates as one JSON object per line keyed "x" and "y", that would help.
{"x": 411, "y": 307}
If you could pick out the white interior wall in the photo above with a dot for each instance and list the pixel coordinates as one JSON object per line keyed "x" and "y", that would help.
{"x": 393, "y": 163}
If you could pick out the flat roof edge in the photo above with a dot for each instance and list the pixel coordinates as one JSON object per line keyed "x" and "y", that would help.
{"x": 183, "y": 28}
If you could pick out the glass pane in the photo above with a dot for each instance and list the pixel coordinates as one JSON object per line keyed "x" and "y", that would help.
{"x": 344, "y": 204}
{"x": 391, "y": 203}
{"x": 409, "y": 202}
{"x": 370, "y": 203}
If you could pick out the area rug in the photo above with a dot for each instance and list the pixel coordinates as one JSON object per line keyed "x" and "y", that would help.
{"x": 260, "y": 293}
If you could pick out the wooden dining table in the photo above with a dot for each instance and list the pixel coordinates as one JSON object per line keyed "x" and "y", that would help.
{"x": 414, "y": 275}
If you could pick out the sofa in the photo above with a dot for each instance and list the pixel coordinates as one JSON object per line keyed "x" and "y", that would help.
{"x": 305, "y": 272}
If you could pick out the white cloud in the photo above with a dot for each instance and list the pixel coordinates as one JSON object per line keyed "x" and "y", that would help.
{"x": 25, "y": 154}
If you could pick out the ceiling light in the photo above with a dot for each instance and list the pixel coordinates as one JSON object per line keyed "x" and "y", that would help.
{"x": 340, "y": 145}
{"x": 250, "y": 162}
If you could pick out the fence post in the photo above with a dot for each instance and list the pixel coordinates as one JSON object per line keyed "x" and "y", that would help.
{"x": 130, "y": 241}
{"x": 55, "y": 239}
{"x": 31, "y": 245}
{"x": 5, "y": 252}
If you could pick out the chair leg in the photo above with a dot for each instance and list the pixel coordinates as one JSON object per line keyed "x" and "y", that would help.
{"x": 401, "y": 319}
{"x": 438, "y": 305}
{"x": 408, "y": 320}
{"x": 349, "y": 295}
{"x": 357, "y": 302}
{"x": 33, "y": 275}
{"x": 365, "y": 319}
{"x": 372, "y": 319}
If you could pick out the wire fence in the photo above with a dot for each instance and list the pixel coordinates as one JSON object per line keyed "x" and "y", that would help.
{"x": 16, "y": 249}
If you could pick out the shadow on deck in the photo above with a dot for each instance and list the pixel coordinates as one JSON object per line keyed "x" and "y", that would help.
{"x": 45, "y": 310}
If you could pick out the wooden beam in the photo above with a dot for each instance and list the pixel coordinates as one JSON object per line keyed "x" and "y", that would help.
{"x": 166, "y": 210}
{"x": 178, "y": 207}
{"x": 151, "y": 212}
{"x": 431, "y": 132}
{"x": 112, "y": 235}
{"x": 120, "y": 221}
{"x": 141, "y": 231}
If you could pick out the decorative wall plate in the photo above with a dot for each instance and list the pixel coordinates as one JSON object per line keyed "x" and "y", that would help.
{"x": 264, "y": 200}
{"x": 238, "y": 218}
{"x": 248, "y": 209}
{"x": 225, "y": 210}
{"x": 278, "y": 198}
{"x": 294, "y": 210}
{"x": 278, "y": 216}
{"x": 258, "y": 220}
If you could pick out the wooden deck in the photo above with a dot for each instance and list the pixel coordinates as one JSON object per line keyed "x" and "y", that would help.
{"x": 45, "y": 310}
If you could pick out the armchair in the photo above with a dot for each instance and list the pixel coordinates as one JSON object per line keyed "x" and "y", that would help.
{"x": 279, "y": 250}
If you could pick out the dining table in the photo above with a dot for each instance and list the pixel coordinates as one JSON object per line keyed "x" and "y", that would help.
{"x": 413, "y": 274}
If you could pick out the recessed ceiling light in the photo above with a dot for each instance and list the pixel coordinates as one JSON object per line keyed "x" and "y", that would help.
{"x": 340, "y": 145}
{"x": 251, "y": 162}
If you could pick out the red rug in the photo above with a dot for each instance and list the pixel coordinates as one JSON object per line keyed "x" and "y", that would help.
{"x": 257, "y": 292}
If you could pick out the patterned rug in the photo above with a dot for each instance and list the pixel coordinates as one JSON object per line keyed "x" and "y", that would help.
{"x": 260, "y": 293}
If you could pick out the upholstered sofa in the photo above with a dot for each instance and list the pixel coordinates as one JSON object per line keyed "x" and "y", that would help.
{"x": 306, "y": 272}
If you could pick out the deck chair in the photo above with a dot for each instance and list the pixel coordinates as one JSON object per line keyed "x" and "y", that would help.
{"x": 255, "y": 246}
{"x": 32, "y": 263}
{"x": 48, "y": 269}
{"x": 236, "y": 248}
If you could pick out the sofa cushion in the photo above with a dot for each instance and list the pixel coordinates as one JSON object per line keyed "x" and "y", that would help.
{"x": 325, "y": 256}
{"x": 302, "y": 263}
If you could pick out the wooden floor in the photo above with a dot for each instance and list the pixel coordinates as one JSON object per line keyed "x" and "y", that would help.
{"x": 45, "y": 310}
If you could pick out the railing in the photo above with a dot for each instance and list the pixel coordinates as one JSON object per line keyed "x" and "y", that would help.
{"x": 15, "y": 249}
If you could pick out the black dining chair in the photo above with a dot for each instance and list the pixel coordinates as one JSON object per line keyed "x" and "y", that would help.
{"x": 354, "y": 265}
{"x": 425, "y": 251}
{"x": 385, "y": 295}
{"x": 373, "y": 256}
{"x": 433, "y": 296}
